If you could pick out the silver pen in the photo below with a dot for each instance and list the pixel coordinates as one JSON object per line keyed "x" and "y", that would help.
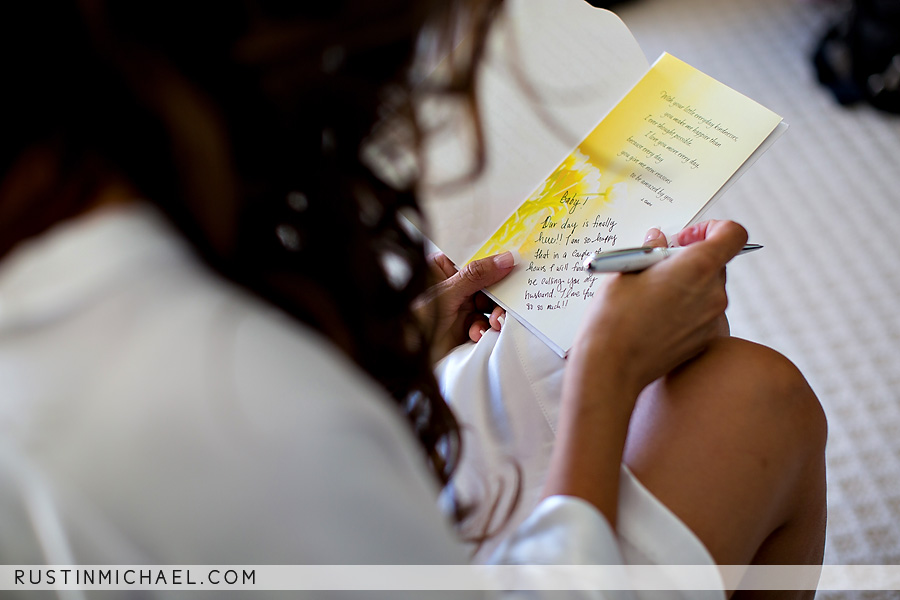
{"x": 628, "y": 260}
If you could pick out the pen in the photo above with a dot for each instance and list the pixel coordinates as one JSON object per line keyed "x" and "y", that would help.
{"x": 629, "y": 260}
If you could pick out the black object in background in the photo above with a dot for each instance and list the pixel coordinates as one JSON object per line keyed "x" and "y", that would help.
{"x": 609, "y": 4}
{"x": 858, "y": 59}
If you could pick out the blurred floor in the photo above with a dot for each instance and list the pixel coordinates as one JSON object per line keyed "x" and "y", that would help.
{"x": 825, "y": 202}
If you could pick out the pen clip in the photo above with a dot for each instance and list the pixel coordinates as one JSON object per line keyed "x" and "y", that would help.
{"x": 615, "y": 257}
{"x": 623, "y": 252}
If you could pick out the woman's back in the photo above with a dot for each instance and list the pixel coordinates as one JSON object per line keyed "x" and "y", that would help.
{"x": 176, "y": 420}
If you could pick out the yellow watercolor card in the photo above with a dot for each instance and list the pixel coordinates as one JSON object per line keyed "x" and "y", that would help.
{"x": 655, "y": 160}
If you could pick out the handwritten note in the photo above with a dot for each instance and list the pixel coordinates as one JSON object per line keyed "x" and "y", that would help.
{"x": 655, "y": 159}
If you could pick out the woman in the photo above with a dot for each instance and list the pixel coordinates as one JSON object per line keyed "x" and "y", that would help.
{"x": 213, "y": 329}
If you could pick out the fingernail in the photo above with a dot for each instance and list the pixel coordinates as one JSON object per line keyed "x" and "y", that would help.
{"x": 501, "y": 319}
{"x": 653, "y": 234}
{"x": 505, "y": 260}
{"x": 481, "y": 333}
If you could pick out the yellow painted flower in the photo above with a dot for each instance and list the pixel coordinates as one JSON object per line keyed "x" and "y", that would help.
{"x": 576, "y": 180}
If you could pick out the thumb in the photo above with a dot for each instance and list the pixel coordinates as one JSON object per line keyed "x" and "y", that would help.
{"x": 726, "y": 238}
{"x": 481, "y": 273}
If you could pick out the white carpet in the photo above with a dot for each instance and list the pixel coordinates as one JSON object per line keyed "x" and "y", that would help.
{"x": 825, "y": 202}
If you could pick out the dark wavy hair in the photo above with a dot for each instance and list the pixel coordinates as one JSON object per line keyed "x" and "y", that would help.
{"x": 244, "y": 121}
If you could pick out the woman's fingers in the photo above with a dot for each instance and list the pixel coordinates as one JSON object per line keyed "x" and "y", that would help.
{"x": 655, "y": 238}
{"x": 729, "y": 236}
{"x": 455, "y": 302}
{"x": 477, "y": 329}
{"x": 479, "y": 325}
{"x": 498, "y": 316}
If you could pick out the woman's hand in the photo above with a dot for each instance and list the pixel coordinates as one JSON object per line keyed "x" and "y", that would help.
{"x": 657, "y": 239}
{"x": 639, "y": 327}
{"x": 653, "y": 321}
{"x": 455, "y": 305}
